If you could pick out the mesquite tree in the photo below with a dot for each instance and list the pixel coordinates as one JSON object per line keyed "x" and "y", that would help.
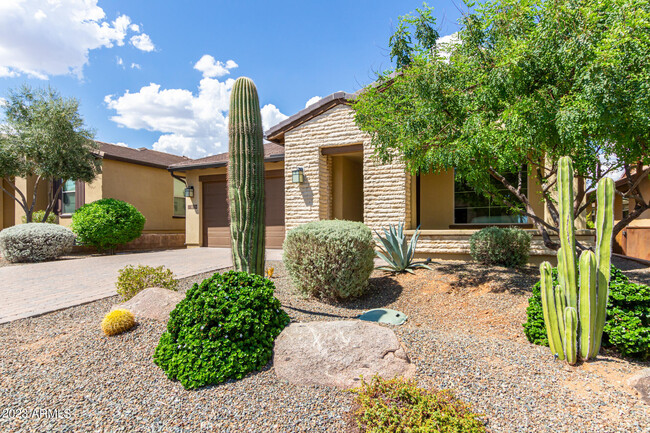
{"x": 246, "y": 178}
{"x": 43, "y": 137}
{"x": 520, "y": 85}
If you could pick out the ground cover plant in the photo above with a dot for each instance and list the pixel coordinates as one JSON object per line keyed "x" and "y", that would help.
{"x": 627, "y": 327}
{"x": 107, "y": 223}
{"x": 330, "y": 259}
{"x": 131, "y": 280}
{"x": 34, "y": 242}
{"x": 396, "y": 252}
{"x": 223, "y": 329}
{"x": 509, "y": 246}
{"x": 398, "y": 405}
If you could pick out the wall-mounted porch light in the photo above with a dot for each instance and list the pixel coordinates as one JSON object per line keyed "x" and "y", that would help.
{"x": 188, "y": 192}
{"x": 297, "y": 175}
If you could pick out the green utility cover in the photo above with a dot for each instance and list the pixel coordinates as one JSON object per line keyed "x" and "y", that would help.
{"x": 384, "y": 315}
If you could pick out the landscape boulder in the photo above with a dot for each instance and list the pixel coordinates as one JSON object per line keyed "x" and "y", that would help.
{"x": 153, "y": 303}
{"x": 338, "y": 353}
{"x": 641, "y": 383}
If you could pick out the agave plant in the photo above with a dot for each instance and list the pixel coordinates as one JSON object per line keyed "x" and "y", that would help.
{"x": 397, "y": 252}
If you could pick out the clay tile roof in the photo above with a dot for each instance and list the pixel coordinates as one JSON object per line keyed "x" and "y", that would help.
{"x": 272, "y": 152}
{"x": 142, "y": 155}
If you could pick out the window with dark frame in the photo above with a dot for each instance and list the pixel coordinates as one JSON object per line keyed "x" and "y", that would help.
{"x": 179, "y": 198}
{"x": 471, "y": 207}
{"x": 68, "y": 197}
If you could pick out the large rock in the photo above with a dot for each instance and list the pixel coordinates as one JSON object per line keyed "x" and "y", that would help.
{"x": 338, "y": 353}
{"x": 641, "y": 383}
{"x": 152, "y": 303}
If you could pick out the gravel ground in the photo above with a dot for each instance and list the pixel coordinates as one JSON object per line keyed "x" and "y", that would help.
{"x": 464, "y": 333}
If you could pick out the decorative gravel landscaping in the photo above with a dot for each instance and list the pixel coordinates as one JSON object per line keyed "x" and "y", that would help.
{"x": 463, "y": 333}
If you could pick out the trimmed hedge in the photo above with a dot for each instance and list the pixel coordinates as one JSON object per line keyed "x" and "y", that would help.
{"x": 35, "y": 242}
{"x": 627, "y": 327}
{"x": 330, "y": 259}
{"x": 223, "y": 329}
{"x": 107, "y": 223}
{"x": 508, "y": 246}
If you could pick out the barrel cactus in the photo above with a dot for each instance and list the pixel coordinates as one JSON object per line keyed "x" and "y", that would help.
{"x": 246, "y": 178}
{"x": 575, "y": 310}
{"x": 118, "y": 321}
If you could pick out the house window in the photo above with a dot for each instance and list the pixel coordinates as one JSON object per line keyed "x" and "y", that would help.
{"x": 179, "y": 199}
{"x": 471, "y": 207}
{"x": 625, "y": 204}
{"x": 68, "y": 197}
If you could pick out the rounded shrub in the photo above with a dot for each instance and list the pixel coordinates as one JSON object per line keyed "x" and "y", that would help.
{"x": 223, "y": 329}
{"x": 132, "y": 280}
{"x": 627, "y": 327}
{"x": 107, "y": 223}
{"x": 508, "y": 246}
{"x": 330, "y": 259}
{"x": 38, "y": 215}
{"x": 34, "y": 242}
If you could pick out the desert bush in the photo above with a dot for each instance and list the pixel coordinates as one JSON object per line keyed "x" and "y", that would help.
{"x": 34, "y": 242}
{"x": 508, "y": 246}
{"x": 627, "y": 327}
{"x": 330, "y": 259}
{"x": 132, "y": 280}
{"x": 107, "y": 223}
{"x": 398, "y": 405}
{"x": 37, "y": 217}
{"x": 223, "y": 329}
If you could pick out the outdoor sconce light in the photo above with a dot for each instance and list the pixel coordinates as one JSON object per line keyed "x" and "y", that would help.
{"x": 297, "y": 175}
{"x": 188, "y": 192}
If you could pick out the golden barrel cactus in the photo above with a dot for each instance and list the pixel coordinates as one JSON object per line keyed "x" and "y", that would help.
{"x": 118, "y": 321}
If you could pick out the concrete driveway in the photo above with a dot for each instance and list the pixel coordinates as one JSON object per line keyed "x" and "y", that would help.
{"x": 36, "y": 288}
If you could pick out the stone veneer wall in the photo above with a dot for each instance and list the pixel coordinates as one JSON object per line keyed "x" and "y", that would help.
{"x": 386, "y": 186}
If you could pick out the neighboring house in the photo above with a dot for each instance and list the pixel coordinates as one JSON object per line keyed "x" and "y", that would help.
{"x": 137, "y": 176}
{"x": 341, "y": 180}
{"x": 633, "y": 240}
{"x": 207, "y": 219}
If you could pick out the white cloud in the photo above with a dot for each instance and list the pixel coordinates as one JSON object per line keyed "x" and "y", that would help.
{"x": 119, "y": 143}
{"x": 135, "y": 28}
{"x": 445, "y": 43}
{"x": 135, "y": 66}
{"x": 40, "y": 38}
{"x": 119, "y": 61}
{"x": 191, "y": 124}
{"x": 142, "y": 42}
{"x": 313, "y": 100}
{"x": 3, "y": 102}
{"x": 212, "y": 68}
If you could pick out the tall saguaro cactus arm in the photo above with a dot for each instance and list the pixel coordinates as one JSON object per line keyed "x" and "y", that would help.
{"x": 575, "y": 310}
{"x": 246, "y": 178}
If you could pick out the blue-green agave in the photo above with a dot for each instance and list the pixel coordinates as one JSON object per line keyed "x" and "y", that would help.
{"x": 397, "y": 252}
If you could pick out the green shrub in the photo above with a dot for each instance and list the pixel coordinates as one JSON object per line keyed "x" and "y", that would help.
{"x": 330, "y": 259}
{"x": 398, "y": 405}
{"x": 627, "y": 327}
{"x": 132, "y": 280}
{"x": 508, "y": 246}
{"x": 37, "y": 217}
{"x": 223, "y": 329}
{"x": 107, "y": 223}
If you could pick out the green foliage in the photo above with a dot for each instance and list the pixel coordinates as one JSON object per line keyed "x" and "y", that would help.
{"x": 627, "y": 328}
{"x": 32, "y": 242}
{"x": 44, "y": 136}
{"x": 398, "y": 405}
{"x": 37, "y": 217}
{"x": 526, "y": 82}
{"x": 132, "y": 280}
{"x": 246, "y": 178}
{"x": 223, "y": 329}
{"x": 397, "y": 252}
{"x": 330, "y": 258}
{"x": 107, "y": 223}
{"x": 508, "y": 246}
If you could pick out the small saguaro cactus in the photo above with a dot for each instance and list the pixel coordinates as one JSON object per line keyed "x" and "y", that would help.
{"x": 246, "y": 178}
{"x": 575, "y": 310}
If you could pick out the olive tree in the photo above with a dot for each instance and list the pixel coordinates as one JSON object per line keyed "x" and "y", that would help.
{"x": 520, "y": 85}
{"x": 43, "y": 137}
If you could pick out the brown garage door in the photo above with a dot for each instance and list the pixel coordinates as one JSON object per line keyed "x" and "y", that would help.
{"x": 216, "y": 229}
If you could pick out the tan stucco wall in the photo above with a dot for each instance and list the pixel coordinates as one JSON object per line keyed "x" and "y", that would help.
{"x": 194, "y": 217}
{"x": 347, "y": 188}
{"x": 644, "y": 219}
{"x": 386, "y": 187}
{"x": 26, "y": 186}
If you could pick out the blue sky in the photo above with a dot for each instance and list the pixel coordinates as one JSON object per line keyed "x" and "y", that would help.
{"x": 157, "y": 74}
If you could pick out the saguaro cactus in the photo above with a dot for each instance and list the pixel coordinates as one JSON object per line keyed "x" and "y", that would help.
{"x": 574, "y": 311}
{"x": 246, "y": 178}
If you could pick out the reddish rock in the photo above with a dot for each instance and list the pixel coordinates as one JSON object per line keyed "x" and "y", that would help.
{"x": 152, "y": 303}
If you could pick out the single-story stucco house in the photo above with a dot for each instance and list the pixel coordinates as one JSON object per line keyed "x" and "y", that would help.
{"x": 137, "y": 176}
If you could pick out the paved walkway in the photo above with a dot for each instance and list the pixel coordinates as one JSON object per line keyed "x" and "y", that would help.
{"x": 32, "y": 289}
